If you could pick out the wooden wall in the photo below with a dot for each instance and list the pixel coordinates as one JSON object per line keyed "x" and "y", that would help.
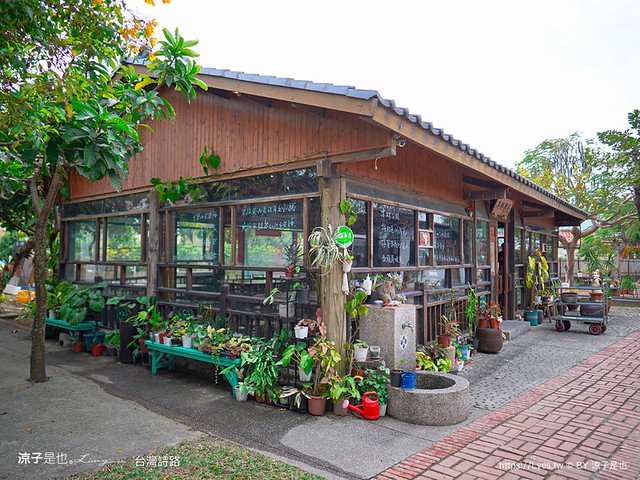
{"x": 245, "y": 133}
{"x": 417, "y": 170}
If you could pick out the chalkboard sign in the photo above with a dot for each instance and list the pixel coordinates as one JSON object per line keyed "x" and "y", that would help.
{"x": 393, "y": 236}
{"x": 285, "y": 215}
{"x": 446, "y": 231}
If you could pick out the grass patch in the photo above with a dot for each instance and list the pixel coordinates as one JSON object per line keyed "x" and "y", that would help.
{"x": 204, "y": 458}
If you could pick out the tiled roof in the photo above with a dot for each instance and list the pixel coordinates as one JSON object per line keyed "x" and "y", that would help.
{"x": 354, "y": 92}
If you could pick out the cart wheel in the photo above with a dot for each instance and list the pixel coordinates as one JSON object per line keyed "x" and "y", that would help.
{"x": 603, "y": 328}
{"x": 567, "y": 325}
{"x": 559, "y": 326}
{"x": 594, "y": 328}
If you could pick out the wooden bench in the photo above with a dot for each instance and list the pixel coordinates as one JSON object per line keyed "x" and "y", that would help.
{"x": 79, "y": 328}
{"x": 164, "y": 356}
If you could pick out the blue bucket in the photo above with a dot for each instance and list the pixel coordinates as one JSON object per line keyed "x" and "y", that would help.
{"x": 407, "y": 381}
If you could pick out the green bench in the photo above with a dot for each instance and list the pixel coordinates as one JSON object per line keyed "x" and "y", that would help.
{"x": 79, "y": 328}
{"x": 164, "y": 356}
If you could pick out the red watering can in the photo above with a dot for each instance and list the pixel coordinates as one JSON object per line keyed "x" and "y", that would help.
{"x": 370, "y": 408}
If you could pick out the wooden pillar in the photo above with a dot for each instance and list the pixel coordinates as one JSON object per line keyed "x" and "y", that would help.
{"x": 153, "y": 244}
{"x": 332, "y": 192}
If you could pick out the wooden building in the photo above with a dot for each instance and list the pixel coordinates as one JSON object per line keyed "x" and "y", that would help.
{"x": 429, "y": 207}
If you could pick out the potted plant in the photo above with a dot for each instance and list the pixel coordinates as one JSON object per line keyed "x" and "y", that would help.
{"x": 570, "y": 298}
{"x": 376, "y": 380}
{"x": 535, "y": 277}
{"x": 324, "y": 249}
{"x": 293, "y": 257}
{"x": 395, "y": 375}
{"x": 471, "y": 311}
{"x": 56, "y": 297}
{"x": 360, "y": 350}
{"x": 112, "y": 342}
{"x": 325, "y": 358}
{"x": 299, "y": 354}
{"x": 260, "y": 361}
{"x": 79, "y": 301}
{"x": 340, "y": 390}
{"x": 448, "y": 325}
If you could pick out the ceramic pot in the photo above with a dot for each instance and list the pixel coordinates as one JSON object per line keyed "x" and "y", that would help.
{"x": 360, "y": 353}
{"x": 444, "y": 340}
{"x": 316, "y": 405}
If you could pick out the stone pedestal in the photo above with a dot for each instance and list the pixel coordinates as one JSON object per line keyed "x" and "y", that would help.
{"x": 393, "y": 328}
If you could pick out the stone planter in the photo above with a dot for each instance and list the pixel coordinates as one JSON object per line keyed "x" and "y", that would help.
{"x": 438, "y": 399}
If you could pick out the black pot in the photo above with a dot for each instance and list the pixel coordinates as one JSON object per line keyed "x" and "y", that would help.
{"x": 395, "y": 377}
{"x": 473, "y": 342}
{"x": 126, "y": 337}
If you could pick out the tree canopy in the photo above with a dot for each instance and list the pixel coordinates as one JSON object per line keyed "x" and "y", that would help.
{"x": 67, "y": 104}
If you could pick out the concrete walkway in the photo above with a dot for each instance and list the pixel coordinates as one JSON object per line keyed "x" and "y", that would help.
{"x": 585, "y": 423}
{"x": 123, "y": 404}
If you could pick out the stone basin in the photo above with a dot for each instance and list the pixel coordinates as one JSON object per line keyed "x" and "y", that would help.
{"x": 439, "y": 399}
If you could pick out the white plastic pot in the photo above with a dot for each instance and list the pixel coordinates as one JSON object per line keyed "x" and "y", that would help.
{"x": 301, "y": 331}
{"x": 187, "y": 341}
{"x": 360, "y": 353}
{"x": 241, "y": 396}
{"x": 303, "y": 376}
{"x": 382, "y": 408}
{"x": 167, "y": 341}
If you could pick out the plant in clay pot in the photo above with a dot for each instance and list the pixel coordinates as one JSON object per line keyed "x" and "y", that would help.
{"x": 293, "y": 257}
{"x": 449, "y": 325}
{"x": 536, "y": 275}
{"x": 325, "y": 359}
{"x": 340, "y": 389}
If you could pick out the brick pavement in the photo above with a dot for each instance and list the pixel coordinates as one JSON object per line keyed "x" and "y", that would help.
{"x": 584, "y": 423}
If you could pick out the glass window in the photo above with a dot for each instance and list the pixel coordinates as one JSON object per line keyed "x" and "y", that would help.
{"x": 519, "y": 235}
{"x": 550, "y": 251}
{"x": 124, "y": 238}
{"x": 197, "y": 235}
{"x": 393, "y": 236}
{"x": 82, "y": 240}
{"x": 425, "y": 239}
{"x": 360, "y": 234}
{"x": 467, "y": 241}
{"x": 536, "y": 242}
{"x": 447, "y": 240}
{"x": 482, "y": 242}
{"x": 263, "y": 230}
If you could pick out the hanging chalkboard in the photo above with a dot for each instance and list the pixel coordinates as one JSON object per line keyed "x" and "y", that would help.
{"x": 447, "y": 240}
{"x": 393, "y": 236}
{"x": 285, "y": 215}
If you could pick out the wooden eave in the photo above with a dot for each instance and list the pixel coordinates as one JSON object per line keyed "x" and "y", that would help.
{"x": 322, "y": 100}
{"x": 413, "y": 131}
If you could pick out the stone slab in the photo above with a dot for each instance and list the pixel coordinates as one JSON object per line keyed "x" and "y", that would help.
{"x": 514, "y": 328}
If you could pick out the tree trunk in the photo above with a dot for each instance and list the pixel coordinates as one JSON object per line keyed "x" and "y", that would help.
{"x": 153, "y": 244}
{"x": 332, "y": 299}
{"x": 571, "y": 261}
{"x": 38, "y": 373}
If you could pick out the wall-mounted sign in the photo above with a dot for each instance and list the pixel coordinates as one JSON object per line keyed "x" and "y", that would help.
{"x": 344, "y": 236}
{"x": 502, "y": 207}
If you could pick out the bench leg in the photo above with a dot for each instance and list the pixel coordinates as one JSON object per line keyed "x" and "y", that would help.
{"x": 232, "y": 377}
{"x": 156, "y": 361}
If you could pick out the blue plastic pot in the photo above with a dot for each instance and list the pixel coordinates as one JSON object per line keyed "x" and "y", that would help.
{"x": 407, "y": 381}
{"x": 531, "y": 316}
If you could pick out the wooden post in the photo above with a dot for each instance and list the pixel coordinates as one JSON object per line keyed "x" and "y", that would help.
{"x": 332, "y": 192}
{"x": 153, "y": 244}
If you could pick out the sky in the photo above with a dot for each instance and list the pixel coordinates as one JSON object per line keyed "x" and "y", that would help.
{"x": 501, "y": 76}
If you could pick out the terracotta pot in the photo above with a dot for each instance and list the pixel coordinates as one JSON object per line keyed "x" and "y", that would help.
{"x": 143, "y": 346}
{"x": 77, "y": 347}
{"x": 96, "y": 349}
{"x": 259, "y": 398}
{"x": 483, "y": 323}
{"x": 596, "y": 296}
{"x": 444, "y": 340}
{"x": 317, "y": 405}
{"x": 494, "y": 323}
